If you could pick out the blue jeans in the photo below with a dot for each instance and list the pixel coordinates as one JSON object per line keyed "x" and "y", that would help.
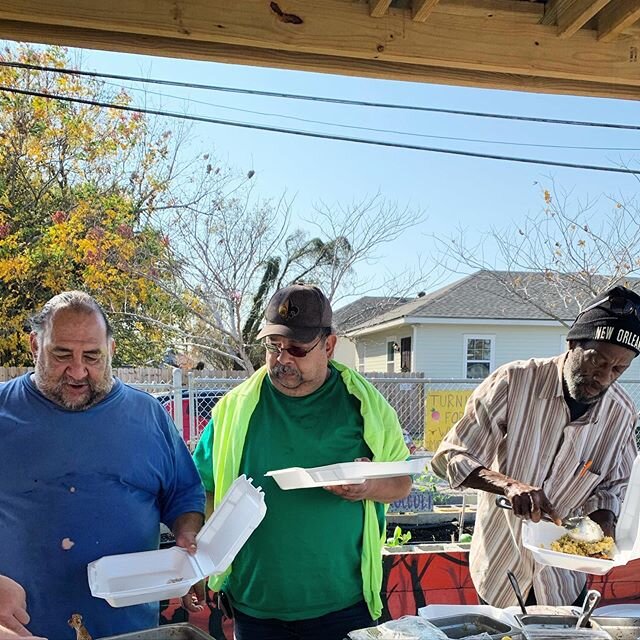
{"x": 332, "y": 626}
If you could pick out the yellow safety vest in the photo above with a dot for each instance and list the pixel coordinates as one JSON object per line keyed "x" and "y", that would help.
{"x": 382, "y": 433}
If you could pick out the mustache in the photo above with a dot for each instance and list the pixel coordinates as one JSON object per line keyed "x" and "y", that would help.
{"x": 584, "y": 380}
{"x": 283, "y": 369}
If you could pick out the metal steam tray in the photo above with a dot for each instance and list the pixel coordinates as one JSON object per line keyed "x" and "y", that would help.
{"x": 473, "y": 624}
{"x": 620, "y": 628}
{"x": 177, "y": 631}
{"x": 549, "y": 627}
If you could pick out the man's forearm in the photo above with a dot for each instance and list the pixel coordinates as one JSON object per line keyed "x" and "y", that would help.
{"x": 489, "y": 481}
{"x": 189, "y": 522}
{"x": 389, "y": 490}
{"x": 208, "y": 509}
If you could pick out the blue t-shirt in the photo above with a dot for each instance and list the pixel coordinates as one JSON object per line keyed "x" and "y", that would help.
{"x": 79, "y": 485}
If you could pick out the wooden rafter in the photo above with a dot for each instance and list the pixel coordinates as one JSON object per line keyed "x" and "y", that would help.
{"x": 488, "y": 43}
{"x": 174, "y": 48}
{"x": 421, "y": 9}
{"x": 616, "y": 17}
{"x": 571, "y": 15}
{"x": 377, "y": 8}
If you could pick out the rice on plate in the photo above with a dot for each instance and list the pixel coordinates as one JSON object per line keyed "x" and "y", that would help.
{"x": 603, "y": 549}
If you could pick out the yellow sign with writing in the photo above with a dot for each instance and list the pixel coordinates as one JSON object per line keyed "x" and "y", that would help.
{"x": 442, "y": 410}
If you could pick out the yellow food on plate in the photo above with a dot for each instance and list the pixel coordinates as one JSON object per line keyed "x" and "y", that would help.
{"x": 602, "y": 549}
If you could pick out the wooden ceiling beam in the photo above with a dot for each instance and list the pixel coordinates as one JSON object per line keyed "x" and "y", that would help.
{"x": 617, "y": 17}
{"x": 421, "y": 9}
{"x": 206, "y": 51}
{"x": 378, "y": 8}
{"x": 461, "y": 40}
{"x": 571, "y": 15}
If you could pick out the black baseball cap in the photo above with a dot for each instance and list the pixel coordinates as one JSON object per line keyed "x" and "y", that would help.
{"x": 298, "y": 312}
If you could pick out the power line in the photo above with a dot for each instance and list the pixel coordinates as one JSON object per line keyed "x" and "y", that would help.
{"x": 309, "y": 134}
{"x": 343, "y": 101}
{"x": 413, "y": 134}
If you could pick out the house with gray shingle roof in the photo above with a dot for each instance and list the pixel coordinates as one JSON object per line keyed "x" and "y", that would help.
{"x": 468, "y": 328}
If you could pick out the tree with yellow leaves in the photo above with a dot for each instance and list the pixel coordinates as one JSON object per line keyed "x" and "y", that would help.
{"x": 78, "y": 187}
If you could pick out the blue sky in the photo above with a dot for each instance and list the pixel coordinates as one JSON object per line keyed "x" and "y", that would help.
{"x": 454, "y": 191}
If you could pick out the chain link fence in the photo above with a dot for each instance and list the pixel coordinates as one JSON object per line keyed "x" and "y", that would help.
{"x": 426, "y": 407}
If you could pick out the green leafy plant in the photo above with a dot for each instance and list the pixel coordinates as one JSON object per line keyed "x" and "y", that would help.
{"x": 399, "y": 538}
{"x": 429, "y": 482}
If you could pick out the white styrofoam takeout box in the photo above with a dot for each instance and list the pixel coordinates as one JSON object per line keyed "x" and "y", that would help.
{"x": 344, "y": 473}
{"x": 135, "y": 578}
{"x": 627, "y": 536}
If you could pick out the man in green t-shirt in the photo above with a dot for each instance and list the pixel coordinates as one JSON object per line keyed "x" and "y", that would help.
{"x": 312, "y": 569}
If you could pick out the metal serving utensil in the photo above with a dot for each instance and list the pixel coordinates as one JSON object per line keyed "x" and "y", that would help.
{"x": 568, "y": 523}
{"x": 579, "y": 527}
{"x": 590, "y": 602}
{"x": 516, "y": 589}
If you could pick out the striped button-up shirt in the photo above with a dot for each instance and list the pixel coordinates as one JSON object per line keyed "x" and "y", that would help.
{"x": 517, "y": 423}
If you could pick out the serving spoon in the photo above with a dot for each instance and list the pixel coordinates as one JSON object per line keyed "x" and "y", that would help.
{"x": 580, "y": 528}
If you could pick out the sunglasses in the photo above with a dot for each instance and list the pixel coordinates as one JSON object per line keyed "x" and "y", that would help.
{"x": 618, "y": 304}
{"x": 296, "y": 352}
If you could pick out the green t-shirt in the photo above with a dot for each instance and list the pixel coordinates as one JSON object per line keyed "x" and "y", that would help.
{"x": 304, "y": 559}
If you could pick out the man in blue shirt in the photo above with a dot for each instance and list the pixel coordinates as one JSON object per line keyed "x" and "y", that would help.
{"x": 90, "y": 467}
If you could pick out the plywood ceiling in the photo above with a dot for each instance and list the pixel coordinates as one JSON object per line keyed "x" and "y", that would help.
{"x": 582, "y": 47}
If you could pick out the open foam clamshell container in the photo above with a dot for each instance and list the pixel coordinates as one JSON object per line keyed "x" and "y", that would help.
{"x": 344, "y": 473}
{"x": 537, "y": 537}
{"x": 135, "y": 578}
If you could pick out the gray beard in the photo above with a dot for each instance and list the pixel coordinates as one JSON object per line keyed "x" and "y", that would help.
{"x": 574, "y": 385}
{"x": 54, "y": 391}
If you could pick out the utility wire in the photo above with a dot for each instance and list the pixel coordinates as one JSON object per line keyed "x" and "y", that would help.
{"x": 309, "y": 134}
{"x": 413, "y": 134}
{"x": 294, "y": 96}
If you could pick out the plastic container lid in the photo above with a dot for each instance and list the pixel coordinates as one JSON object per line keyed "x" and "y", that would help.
{"x": 344, "y": 473}
{"x": 627, "y": 536}
{"x": 135, "y": 578}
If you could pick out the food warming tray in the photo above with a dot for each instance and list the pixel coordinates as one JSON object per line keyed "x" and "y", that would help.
{"x": 473, "y": 624}
{"x": 178, "y": 631}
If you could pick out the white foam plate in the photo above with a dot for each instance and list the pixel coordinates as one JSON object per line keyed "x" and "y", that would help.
{"x": 344, "y": 473}
{"x": 537, "y": 537}
{"x": 627, "y": 548}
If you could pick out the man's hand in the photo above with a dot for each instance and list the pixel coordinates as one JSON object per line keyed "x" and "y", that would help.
{"x": 530, "y": 502}
{"x": 8, "y": 634}
{"x": 194, "y": 600}
{"x": 185, "y": 529}
{"x": 13, "y": 608}
{"x": 607, "y": 521}
{"x": 352, "y": 492}
{"x": 384, "y": 490}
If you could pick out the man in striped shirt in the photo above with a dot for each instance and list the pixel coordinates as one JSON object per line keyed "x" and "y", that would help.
{"x": 557, "y": 437}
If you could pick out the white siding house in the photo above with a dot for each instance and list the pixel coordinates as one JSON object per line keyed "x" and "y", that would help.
{"x": 464, "y": 330}
{"x": 346, "y": 352}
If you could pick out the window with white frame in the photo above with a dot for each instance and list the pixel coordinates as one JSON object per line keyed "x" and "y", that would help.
{"x": 392, "y": 347}
{"x": 479, "y": 356}
{"x": 362, "y": 356}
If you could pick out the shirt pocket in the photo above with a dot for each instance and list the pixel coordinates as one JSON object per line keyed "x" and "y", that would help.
{"x": 576, "y": 491}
